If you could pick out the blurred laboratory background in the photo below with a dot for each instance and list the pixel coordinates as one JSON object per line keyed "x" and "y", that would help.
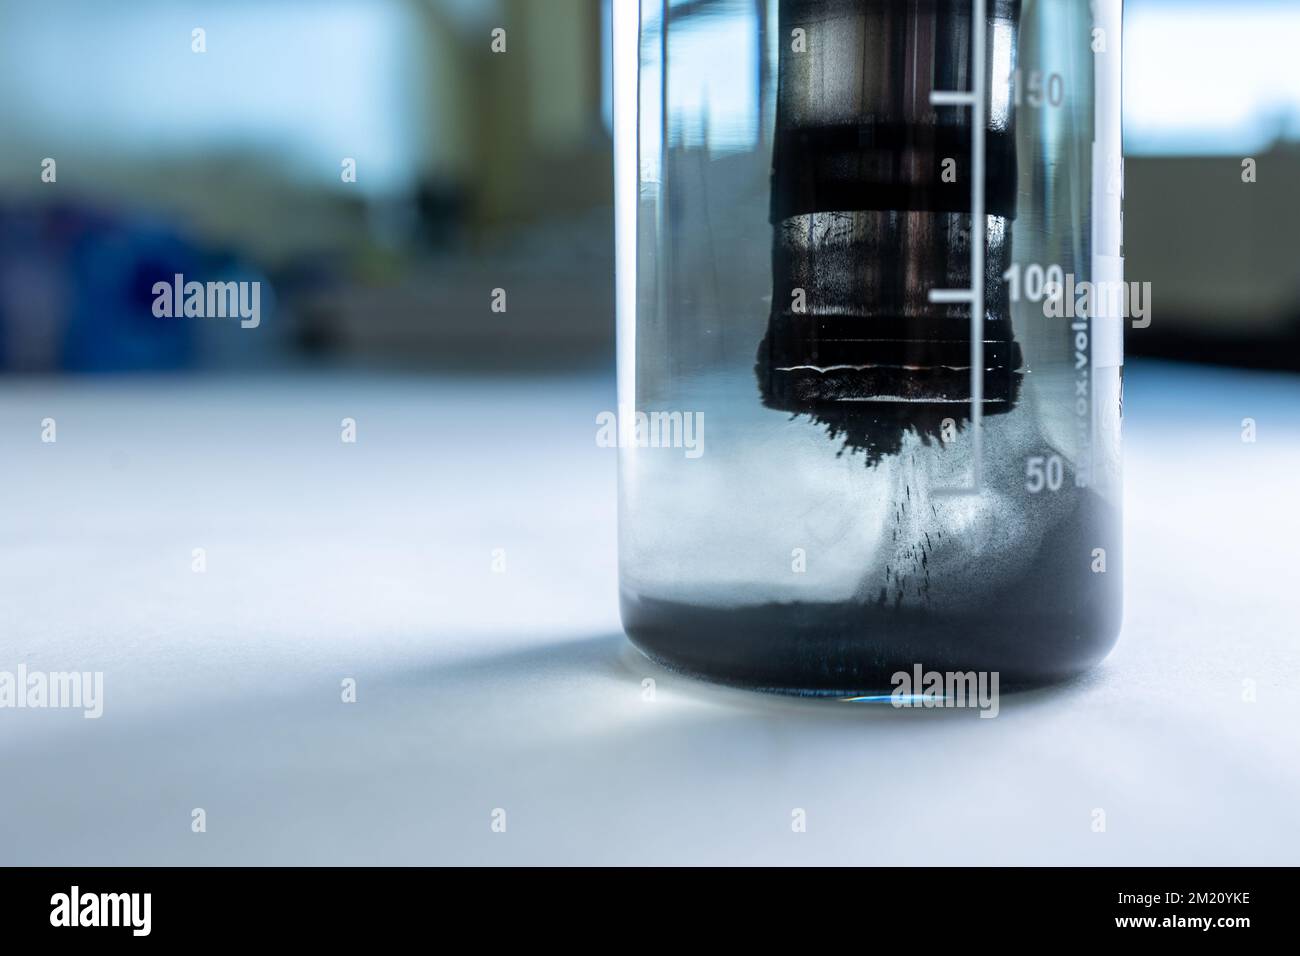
{"x": 475, "y": 170}
{"x": 479, "y": 170}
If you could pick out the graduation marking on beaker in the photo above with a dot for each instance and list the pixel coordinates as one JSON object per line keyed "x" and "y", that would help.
{"x": 975, "y": 99}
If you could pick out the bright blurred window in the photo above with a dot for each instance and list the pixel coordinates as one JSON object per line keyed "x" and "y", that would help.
{"x": 1210, "y": 77}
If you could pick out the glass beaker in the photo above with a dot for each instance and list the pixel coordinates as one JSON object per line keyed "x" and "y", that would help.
{"x": 868, "y": 419}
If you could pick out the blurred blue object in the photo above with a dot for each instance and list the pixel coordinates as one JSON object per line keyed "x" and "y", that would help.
{"x": 111, "y": 325}
{"x": 76, "y": 291}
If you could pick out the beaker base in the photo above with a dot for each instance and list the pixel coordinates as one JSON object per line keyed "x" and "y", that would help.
{"x": 850, "y": 649}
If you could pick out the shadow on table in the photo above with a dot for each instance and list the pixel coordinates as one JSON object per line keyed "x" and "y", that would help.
{"x": 614, "y": 665}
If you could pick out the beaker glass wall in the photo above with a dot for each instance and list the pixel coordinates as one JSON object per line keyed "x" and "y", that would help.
{"x": 866, "y": 421}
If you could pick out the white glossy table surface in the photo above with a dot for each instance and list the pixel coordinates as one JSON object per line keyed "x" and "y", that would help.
{"x": 479, "y": 691}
